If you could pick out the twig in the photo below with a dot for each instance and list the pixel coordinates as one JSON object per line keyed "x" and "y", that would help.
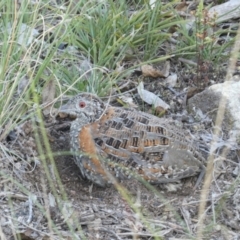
{"x": 13, "y": 195}
{"x": 187, "y": 61}
{"x": 140, "y": 234}
{"x": 30, "y": 210}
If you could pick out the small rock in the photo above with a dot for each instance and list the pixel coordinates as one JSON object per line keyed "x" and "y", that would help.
{"x": 208, "y": 102}
{"x": 236, "y": 171}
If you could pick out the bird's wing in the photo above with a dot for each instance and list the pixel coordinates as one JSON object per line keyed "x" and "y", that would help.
{"x": 139, "y": 141}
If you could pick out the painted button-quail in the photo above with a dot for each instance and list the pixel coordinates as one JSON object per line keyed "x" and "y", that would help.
{"x": 121, "y": 142}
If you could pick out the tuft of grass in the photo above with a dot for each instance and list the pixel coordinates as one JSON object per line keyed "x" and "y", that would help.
{"x": 202, "y": 43}
{"x": 108, "y": 34}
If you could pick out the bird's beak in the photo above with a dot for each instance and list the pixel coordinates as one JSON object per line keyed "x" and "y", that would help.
{"x": 67, "y": 109}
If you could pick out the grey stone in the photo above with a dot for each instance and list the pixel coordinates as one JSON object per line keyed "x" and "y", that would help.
{"x": 208, "y": 102}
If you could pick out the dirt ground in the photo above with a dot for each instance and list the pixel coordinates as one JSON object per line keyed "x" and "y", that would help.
{"x": 39, "y": 201}
{"x": 44, "y": 197}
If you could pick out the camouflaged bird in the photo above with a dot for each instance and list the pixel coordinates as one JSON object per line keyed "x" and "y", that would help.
{"x": 121, "y": 142}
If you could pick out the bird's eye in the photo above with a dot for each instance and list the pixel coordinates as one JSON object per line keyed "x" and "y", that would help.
{"x": 82, "y": 104}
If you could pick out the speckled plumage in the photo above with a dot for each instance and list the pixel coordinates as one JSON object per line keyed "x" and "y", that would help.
{"x": 125, "y": 142}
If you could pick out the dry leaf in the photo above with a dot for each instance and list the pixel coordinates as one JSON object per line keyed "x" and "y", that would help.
{"x": 182, "y": 6}
{"x": 149, "y": 71}
{"x": 193, "y": 91}
{"x": 171, "y": 80}
{"x": 151, "y": 98}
